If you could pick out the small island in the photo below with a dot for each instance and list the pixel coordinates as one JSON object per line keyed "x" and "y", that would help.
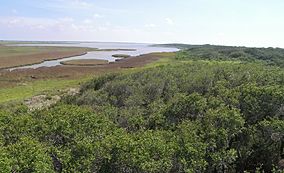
{"x": 121, "y": 56}
{"x": 85, "y": 62}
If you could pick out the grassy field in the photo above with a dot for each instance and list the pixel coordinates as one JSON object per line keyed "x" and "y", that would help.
{"x": 30, "y": 89}
{"x": 85, "y": 62}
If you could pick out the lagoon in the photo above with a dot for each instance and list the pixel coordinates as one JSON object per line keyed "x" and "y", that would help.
{"x": 138, "y": 49}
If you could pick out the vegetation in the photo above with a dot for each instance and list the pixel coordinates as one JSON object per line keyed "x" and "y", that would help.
{"x": 30, "y": 89}
{"x": 195, "y": 114}
{"x": 22, "y": 84}
{"x": 270, "y": 56}
{"x": 85, "y": 62}
{"x": 121, "y": 56}
{"x": 13, "y": 56}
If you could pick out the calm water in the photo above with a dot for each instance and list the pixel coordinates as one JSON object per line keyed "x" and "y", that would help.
{"x": 105, "y": 55}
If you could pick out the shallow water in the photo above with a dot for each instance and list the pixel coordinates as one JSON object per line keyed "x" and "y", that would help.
{"x": 104, "y": 55}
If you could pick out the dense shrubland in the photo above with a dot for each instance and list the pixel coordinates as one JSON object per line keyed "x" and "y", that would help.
{"x": 270, "y": 56}
{"x": 189, "y": 116}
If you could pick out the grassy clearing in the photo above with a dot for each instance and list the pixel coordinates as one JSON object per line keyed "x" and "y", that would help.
{"x": 167, "y": 58}
{"x": 34, "y": 88}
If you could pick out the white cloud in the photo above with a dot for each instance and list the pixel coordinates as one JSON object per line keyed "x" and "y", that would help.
{"x": 77, "y": 3}
{"x": 151, "y": 25}
{"x": 98, "y": 16}
{"x": 67, "y": 28}
{"x": 38, "y": 23}
{"x": 169, "y": 21}
{"x": 81, "y": 3}
{"x": 66, "y": 19}
{"x": 12, "y": 21}
{"x": 87, "y": 21}
{"x": 71, "y": 4}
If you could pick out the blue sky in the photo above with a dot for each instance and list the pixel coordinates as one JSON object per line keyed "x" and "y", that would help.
{"x": 227, "y": 22}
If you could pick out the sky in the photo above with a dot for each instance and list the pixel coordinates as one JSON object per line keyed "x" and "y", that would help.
{"x": 257, "y": 23}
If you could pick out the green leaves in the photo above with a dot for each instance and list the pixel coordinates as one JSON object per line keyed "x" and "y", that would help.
{"x": 191, "y": 155}
{"x": 271, "y": 56}
{"x": 257, "y": 103}
{"x": 195, "y": 116}
{"x": 5, "y": 161}
{"x": 29, "y": 155}
{"x": 185, "y": 107}
{"x": 152, "y": 151}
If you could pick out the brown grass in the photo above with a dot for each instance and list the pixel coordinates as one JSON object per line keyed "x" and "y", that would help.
{"x": 20, "y": 76}
{"x": 13, "y": 56}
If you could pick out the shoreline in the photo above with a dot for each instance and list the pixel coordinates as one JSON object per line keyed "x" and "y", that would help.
{"x": 45, "y": 60}
{"x": 11, "y": 68}
{"x": 64, "y": 72}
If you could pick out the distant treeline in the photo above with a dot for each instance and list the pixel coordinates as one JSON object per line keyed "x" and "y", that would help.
{"x": 271, "y": 56}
